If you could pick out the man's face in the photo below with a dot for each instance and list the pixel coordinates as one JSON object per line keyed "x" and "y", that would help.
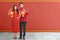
{"x": 21, "y": 5}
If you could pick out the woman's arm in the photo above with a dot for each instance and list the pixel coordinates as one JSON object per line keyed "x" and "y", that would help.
{"x": 10, "y": 13}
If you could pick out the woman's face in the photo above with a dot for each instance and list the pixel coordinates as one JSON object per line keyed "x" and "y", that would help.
{"x": 21, "y": 5}
{"x": 15, "y": 7}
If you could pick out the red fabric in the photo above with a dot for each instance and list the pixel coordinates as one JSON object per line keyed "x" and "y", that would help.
{"x": 15, "y": 22}
{"x": 22, "y": 19}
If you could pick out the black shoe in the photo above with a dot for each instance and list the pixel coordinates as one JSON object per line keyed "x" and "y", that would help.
{"x": 23, "y": 37}
{"x": 20, "y": 37}
{"x": 15, "y": 37}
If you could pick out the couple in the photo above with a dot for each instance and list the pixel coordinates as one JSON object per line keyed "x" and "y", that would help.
{"x": 18, "y": 17}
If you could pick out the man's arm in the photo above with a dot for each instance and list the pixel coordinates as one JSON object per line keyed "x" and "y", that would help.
{"x": 27, "y": 11}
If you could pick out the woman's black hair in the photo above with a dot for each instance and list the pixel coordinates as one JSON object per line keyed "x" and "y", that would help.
{"x": 21, "y": 3}
{"x": 16, "y": 9}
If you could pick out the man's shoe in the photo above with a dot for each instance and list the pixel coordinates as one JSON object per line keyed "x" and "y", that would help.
{"x": 20, "y": 37}
{"x": 23, "y": 37}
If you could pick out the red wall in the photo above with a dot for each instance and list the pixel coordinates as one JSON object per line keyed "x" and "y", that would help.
{"x": 42, "y": 15}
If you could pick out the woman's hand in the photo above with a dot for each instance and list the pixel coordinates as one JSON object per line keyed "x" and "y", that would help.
{"x": 9, "y": 11}
{"x": 18, "y": 17}
{"x": 19, "y": 14}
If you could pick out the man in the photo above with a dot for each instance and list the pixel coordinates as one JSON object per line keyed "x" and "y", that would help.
{"x": 23, "y": 19}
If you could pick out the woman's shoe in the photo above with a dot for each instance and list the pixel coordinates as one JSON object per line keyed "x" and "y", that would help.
{"x": 15, "y": 37}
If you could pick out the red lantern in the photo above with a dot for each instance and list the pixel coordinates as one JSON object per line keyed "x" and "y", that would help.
{"x": 22, "y": 13}
{"x": 11, "y": 14}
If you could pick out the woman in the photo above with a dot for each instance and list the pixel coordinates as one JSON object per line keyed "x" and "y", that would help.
{"x": 13, "y": 13}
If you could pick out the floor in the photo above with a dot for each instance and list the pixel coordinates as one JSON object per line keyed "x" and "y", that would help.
{"x": 32, "y": 36}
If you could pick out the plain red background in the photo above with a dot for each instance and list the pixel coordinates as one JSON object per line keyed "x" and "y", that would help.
{"x": 42, "y": 15}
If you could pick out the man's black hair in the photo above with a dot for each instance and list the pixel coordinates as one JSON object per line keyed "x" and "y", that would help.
{"x": 20, "y": 3}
